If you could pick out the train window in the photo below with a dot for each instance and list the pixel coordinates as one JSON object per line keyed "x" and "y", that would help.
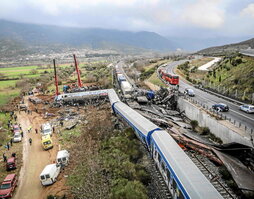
{"x": 163, "y": 166}
{"x": 174, "y": 184}
{"x": 168, "y": 174}
{"x": 159, "y": 157}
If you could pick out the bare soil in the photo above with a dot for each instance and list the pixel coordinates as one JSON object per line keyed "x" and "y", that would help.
{"x": 35, "y": 159}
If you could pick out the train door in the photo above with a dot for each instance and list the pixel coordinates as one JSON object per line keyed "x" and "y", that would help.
{"x": 155, "y": 155}
{"x": 174, "y": 191}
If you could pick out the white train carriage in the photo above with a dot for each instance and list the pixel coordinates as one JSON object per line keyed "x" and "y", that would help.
{"x": 183, "y": 178}
{"x": 81, "y": 95}
{"x": 113, "y": 97}
{"x": 140, "y": 124}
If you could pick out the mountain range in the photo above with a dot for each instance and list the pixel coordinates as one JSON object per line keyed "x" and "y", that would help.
{"x": 23, "y": 39}
{"x": 24, "y": 35}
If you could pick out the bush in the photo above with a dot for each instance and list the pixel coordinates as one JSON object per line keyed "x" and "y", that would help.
{"x": 33, "y": 71}
{"x": 194, "y": 124}
{"x": 205, "y": 131}
{"x": 125, "y": 189}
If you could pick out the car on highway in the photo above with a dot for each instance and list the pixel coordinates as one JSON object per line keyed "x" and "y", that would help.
{"x": 8, "y": 186}
{"x": 248, "y": 108}
{"x": 189, "y": 91}
{"x": 220, "y": 107}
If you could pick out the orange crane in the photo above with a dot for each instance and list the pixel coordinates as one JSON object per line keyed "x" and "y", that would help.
{"x": 78, "y": 72}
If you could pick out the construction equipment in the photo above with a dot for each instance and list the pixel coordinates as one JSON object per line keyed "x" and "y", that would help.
{"x": 78, "y": 71}
{"x": 56, "y": 80}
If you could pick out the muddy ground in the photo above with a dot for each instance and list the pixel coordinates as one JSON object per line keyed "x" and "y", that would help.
{"x": 35, "y": 158}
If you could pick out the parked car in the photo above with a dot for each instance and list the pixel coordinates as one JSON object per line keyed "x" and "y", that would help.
{"x": 46, "y": 142}
{"x": 247, "y": 108}
{"x": 220, "y": 107}
{"x": 11, "y": 164}
{"x": 8, "y": 186}
{"x": 49, "y": 174}
{"x": 189, "y": 91}
{"x": 23, "y": 107}
{"x": 46, "y": 129}
{"x": 16, "y": 128}
{"x": 62, "y": 158}
{"x": 17, "y": 137}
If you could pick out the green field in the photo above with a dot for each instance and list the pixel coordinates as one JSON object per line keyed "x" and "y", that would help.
{"x": 6, "y": 84}
{"x": 6, "y": 96}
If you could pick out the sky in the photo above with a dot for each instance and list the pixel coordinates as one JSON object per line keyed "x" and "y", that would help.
{"x": 171, "y": 18}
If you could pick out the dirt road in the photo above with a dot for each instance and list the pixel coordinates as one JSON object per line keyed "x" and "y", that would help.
{"x": 34, "y": 159}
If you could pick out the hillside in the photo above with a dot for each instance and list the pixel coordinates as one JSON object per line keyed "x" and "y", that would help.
{"x": 235, "y": 76}
{"x": 227, "y": 49}
{"x": 43, "y": 36}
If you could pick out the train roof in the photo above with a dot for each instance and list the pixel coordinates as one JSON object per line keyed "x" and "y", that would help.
{"x": 113, "y": 97}
{"x": 182, "y": 167}
{"x": 134, "y": 118}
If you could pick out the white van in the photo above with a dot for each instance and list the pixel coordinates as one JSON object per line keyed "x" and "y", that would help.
{"x": 49, "y": 174}
{"x": 17, "y": 137}
{"x": 62, "y": 157}
{"x": 46, "y": 129}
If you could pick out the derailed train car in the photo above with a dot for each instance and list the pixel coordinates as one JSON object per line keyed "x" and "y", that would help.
{"x": 80, "y": 97}
{"x": 181, "y": 175}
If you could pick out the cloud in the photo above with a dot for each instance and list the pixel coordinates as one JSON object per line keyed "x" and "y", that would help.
{"x": 249, "y": 10}
{"x": 167, "y": 17}
{"x": 206, "y": 14}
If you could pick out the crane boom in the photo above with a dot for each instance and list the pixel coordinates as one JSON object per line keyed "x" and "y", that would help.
{"x": 78, "y": 72}
{"x": 56, "y": 80}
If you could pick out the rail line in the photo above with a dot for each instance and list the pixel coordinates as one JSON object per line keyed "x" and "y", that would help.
{"x": 203, "y": 166}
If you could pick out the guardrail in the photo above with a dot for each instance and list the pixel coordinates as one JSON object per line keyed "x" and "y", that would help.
{"x": 217, "y": 114}
{"x": 220, "y": 115}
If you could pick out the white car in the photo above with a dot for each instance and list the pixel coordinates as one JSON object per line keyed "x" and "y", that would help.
{"x": 17, "y": 137}
{"x": 247, "y": 108}
{"x": 189, "y": 91}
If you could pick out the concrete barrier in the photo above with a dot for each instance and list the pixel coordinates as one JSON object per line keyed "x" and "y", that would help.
{"x": 223, "y": 129}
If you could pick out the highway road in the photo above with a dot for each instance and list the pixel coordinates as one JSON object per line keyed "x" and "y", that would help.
{"x": 209, "y": 99}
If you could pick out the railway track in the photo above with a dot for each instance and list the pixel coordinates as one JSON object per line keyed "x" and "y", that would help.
{"x": 211, "y": 173}
{"x": 158, "y": 187}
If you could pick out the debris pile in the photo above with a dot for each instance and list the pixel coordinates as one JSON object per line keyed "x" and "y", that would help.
{"x": 166, "y": 98}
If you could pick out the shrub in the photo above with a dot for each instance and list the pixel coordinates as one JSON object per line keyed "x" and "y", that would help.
{"x": 194, "y": 124}
{"x": 205, "y": 131}
{"x": 125, "y": 189}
